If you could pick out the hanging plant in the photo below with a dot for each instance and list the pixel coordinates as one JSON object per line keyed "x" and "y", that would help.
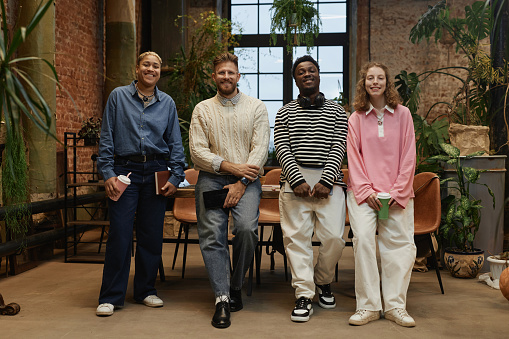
{"x": 297, "y": 19}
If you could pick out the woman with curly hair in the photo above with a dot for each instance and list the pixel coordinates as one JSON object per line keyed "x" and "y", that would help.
{"x": 381, "y": 159}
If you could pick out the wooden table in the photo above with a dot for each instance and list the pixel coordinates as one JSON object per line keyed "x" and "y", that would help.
{"x": 268, "y": 192}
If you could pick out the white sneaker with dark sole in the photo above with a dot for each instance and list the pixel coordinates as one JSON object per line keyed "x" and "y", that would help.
{"x": 303, "y": 310}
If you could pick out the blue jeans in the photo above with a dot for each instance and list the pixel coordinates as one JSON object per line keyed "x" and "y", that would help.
{"x": 213, "y": 232}
{"x": 139, "y": 198}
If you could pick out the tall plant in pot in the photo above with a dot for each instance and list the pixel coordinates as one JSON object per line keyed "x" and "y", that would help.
{"x": 462, "y": 215}
{"x": 19, "y": 96}
{"x": 470, "y": 107}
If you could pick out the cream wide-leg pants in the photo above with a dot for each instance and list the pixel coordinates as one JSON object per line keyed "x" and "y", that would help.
{"x": 300, "y": 217}
{"x": 397, "y": 254}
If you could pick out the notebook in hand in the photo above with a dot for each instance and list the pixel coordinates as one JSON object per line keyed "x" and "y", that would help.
{"x": 310, "y": 174}
{"x": 161, "y": 179}
{"x": 215, "y": 199}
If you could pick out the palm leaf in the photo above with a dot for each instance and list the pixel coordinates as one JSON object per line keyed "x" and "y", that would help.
{"x": 478, "y": 19}
{"x": 428, "y": 23}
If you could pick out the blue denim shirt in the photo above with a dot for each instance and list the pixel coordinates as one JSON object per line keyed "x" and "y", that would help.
{"x": 130, "y": 129}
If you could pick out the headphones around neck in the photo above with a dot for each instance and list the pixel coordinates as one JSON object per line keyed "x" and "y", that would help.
{"x": 305, "y": 102}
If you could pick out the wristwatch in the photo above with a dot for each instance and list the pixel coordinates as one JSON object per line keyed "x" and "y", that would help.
{"x": 245, "y": 181}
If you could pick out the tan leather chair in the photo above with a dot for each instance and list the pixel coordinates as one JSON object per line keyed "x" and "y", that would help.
{"x": 184, "y": 210}
{"x": 269, "y": 216}
{"x": 427, "y": 211}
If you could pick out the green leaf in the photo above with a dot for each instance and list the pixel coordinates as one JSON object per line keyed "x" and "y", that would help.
{"x": 465, "y": 203}
{"x": 478, "y": 19}
{"x": 428, "y": 23}
{"x": 450, "y": 150}
{"x": 471, "y": 174}
{"x": 450, "y": 214}
{"x": 475, "y": 154}
{"x": 440, "y": 158}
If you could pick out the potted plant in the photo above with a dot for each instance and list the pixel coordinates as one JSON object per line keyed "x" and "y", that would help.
{"x": 297, "y": 19}
{"x": 471, "y": 104}
{"x": 90, "y": 130}
{"x": 498, "y": 263}
{"x": 462, "y": 215}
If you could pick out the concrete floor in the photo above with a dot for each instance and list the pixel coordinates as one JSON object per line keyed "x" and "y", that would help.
{"x": 58, "y": 300}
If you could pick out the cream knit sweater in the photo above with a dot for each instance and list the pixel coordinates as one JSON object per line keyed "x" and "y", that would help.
{"x": 235, "y": 133}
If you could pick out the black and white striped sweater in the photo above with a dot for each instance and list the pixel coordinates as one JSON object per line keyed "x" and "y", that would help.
{"x": 311, "y": 137}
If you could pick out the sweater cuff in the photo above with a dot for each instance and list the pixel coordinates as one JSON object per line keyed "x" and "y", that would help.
{"x": 216, "y": 163}
{"x": 295, "y": 184}
{"x": 326, "y": 184}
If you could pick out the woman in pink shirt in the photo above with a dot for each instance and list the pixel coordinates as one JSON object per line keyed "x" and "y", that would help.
{"x": 381, "y": 159}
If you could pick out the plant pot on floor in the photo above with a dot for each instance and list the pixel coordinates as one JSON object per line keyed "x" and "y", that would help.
{"x": 497, "y": 266}
{"x": 463, "y": 264}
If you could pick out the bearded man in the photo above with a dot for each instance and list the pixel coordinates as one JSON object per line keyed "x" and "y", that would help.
{"x": 228, "y": 140}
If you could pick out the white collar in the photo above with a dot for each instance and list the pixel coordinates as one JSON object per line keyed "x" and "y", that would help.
{"x": 387, "y": 108}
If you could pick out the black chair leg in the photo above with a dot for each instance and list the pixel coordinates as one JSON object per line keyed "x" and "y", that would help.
{"x": 286, "y": 266}
{"x": 336, "y": 271}
{"x": 186, "y": 228}
{"x": 250, "y": 277}
{"x": 177, "y": 246}
{"x": 101, "y": 239}
{"x": 162, "y": 277}
{"x": 435, "y": 263}
{"x": 258, "y": 256}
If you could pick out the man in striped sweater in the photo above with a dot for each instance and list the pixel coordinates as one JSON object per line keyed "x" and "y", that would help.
{"x": 310, "y": 140}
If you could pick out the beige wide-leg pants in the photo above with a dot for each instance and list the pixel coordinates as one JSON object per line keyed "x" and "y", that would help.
{"x": 300, "y": 217}
{"x": 397, "y": 254}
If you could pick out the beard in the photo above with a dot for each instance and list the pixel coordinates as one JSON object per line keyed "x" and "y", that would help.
{"x": 226, "y": 88}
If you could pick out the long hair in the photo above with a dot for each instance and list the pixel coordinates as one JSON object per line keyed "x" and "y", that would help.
{"x": 361, "y": 100}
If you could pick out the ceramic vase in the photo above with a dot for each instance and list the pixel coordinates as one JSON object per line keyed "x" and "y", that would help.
{"x": 497, "y": 266}
{"x": 463, "y": 264}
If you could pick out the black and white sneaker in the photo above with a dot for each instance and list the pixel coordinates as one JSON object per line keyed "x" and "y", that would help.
{"x": 303, "y": 310}
{"x": 325, "y": 297}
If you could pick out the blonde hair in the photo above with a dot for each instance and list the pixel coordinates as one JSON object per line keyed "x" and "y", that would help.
{"x": 225, "y": 57}
{"x": 361, "y": 100}
{"x": 142, "y": 55}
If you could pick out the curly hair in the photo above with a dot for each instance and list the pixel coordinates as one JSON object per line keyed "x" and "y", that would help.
{"x": 361, "y": 100}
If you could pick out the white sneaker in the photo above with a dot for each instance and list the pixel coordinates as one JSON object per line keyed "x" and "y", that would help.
{"x": 153, "y": 301}
{"x": 400, "y": 317}
{"x": 362, "y": 317}
{"x": 104, "y": 310}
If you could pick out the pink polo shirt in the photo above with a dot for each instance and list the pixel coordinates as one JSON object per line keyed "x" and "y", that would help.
{"x": 381, "y": 161}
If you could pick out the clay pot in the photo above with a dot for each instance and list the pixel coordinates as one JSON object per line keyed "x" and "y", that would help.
{"x": 504, "y": 283}
{"x": 463, "y": 264}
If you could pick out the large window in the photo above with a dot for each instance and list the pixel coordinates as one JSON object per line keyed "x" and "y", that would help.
{"x": 266, "y": 70}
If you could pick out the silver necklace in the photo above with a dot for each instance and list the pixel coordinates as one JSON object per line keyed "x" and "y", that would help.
{"x": 145, "y": 97}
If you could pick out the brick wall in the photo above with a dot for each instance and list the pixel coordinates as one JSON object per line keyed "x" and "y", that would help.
{"x": 79, "y": 37}
{"x": 390, "y": 25}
